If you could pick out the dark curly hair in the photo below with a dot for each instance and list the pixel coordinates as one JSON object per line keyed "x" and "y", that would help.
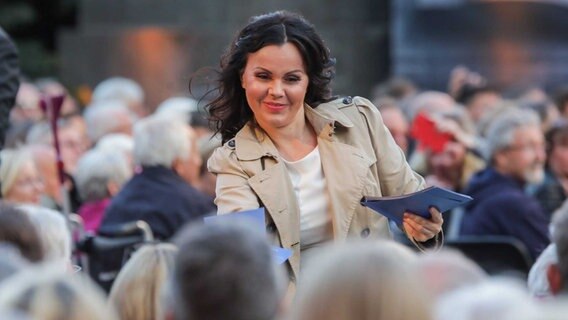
{"x": 229, "y": 111}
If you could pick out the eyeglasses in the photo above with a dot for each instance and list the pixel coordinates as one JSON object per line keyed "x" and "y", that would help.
{"x": 534, "y": 147}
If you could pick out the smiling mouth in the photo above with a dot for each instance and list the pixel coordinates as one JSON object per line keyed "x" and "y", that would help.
{"x": 274, "y": 106}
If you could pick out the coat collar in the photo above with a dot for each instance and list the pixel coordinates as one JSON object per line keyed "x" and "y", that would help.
{"x": 323, "y": 119}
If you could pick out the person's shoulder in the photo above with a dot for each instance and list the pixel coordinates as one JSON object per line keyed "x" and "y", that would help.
{"x": 222, "y": 156}
{"x": 347, "y": 102}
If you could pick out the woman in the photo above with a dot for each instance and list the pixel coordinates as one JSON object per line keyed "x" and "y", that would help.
{"x": 21, "y": 181}
{"x": 136, "y": 292}
{"x": 308, "y": 162}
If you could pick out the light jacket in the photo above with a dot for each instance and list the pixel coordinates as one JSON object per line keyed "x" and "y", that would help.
{"x": 359, "y": 158}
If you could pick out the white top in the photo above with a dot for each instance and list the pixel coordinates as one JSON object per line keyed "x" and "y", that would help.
{"x": 310, "y": 188}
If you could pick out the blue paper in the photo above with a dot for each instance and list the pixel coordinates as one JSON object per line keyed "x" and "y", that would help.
{"x": 418, "y": 203}
{"x": 256, "y": 215}
{"x": 281, "y": 254}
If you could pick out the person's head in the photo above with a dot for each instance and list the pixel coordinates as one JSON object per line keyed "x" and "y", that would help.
{"x": 135, "y": 293}
{"x": 429, "y": 102}
{"x": 12, "y": 261}
{"x": 561, "y": 100}
{"x": 107, "y": 117}
{"x": 54, "y": 234}
{"x": 179, "y": 107}
{"x": 395, "y": 121}
{"x": 45, "y": 161}
{"x": 515, "y": 145}
{"x": 537, "y": 282}
{"x": 367, "y": 280}
{"x": 478, "y": 99}
{"x": 557, "y": 273}
{"x": 160, "y": 141}
{"x": 557, "y": 149}
{"x": 53, "y": 87}
{"x": 26, "y": 107}
{"x": 21, "y": 181}
{"x": 493, "y": 299}
{"x": 448, "y": 270}
{"x": 225, "y": 270}
{"x": 17, "y": 229}
{"x": 122, "y": 89}
{"x": 50, "y": 294}
{"x": 118, "y": 142}
{"x": 101, "y": 174}
{"x": 189, "y": 167}
{"x": 276, "y": 48}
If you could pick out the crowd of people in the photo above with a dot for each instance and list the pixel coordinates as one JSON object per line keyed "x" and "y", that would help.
{"x": 281, "y": 141}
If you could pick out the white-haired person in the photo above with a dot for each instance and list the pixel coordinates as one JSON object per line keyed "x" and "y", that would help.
{"x": 122, "y": 89}
{"x": 515, "y": 153}
{"x": 159, "y": 194}
{"x": 54, "y": 235}
{"x": 363, "y": 280}
{"x": 100, "y": 176}
{"x": 47, "y": 293}
{"x": 448, "y": 270}
{"x": 107, "y": 117}
{"x": 136, "y": 291}
{"x": 120, "y": 142}
{"x": 493, "y": 299}
{"x": 20, "y": 179}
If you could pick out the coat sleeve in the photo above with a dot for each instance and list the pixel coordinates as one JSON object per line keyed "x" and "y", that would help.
{"x": 395, "y": 175}
{"x": 233, "y": 192}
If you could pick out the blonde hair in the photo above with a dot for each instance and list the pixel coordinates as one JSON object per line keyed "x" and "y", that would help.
{"x": 136, "y": 292}
{"x": 367, "y": 280}
{"x": 13, "y": 160}
{"x": 47, "y": 293}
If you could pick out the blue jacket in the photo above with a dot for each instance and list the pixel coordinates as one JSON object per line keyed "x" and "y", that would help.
{"x": 160, "y": 197}
{"x": 501, "y": 207}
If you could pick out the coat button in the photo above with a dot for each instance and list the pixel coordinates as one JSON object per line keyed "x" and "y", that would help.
{"x": 231, "y": 143}
{"x": 271, "y": 228}
{"x": 365, "y": 233}
{"x": 347, "y": 100}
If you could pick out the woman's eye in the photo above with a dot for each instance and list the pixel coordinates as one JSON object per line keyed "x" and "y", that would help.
{"x": 262, "y": 76}
{"x": 293, "y": 79}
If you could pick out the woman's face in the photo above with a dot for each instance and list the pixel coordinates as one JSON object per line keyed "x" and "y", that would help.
{"x": 28, "y": 187}
{"x": 275, "y": 83}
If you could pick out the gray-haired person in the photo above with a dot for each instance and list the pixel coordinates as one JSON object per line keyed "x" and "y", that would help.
{"x": 516, "y": 154}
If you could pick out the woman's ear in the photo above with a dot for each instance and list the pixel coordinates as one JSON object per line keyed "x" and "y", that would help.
{"x": 554, "y": 279}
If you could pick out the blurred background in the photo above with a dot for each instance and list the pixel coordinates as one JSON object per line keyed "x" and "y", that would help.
{"x": 515, "y": 45}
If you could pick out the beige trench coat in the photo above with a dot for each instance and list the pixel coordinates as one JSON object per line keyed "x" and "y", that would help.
{"x": 359, "y": 158}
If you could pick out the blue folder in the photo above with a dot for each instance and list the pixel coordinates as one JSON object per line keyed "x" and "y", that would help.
{"x": 418, "y": 203}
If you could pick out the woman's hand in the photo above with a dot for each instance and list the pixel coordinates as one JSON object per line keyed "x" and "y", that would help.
{"x": 423, "y": 229}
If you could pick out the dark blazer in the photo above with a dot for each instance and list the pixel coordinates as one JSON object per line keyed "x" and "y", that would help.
{"x": 160, "y": 197}
{"x": 501, "y": 207}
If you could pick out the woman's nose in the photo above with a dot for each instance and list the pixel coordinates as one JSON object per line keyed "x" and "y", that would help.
{"x": 276, "y": 89}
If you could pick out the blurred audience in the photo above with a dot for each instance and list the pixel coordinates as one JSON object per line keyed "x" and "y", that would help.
{"x": 537, "y": 281}
{"x": 225, "y": 270}
{"x": 159, "y": 194}
{"x": 107, "y": 117}
{"x": 136, "y": 291}
{"x": 100, "y": 176}
{"x": 49, "y": 294}
{"x": 395, "y": 121}
{"x": 515, "y": 154}
{"x": 124, "y": 90}
{"x": 367, "y": 280}
{"x": 17, "y": 229}
{"x": 20, "y": 179}
{"x": 448, "y": 270}
{"x": 557, "y": 273}
{"x": 551, "y": 193}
